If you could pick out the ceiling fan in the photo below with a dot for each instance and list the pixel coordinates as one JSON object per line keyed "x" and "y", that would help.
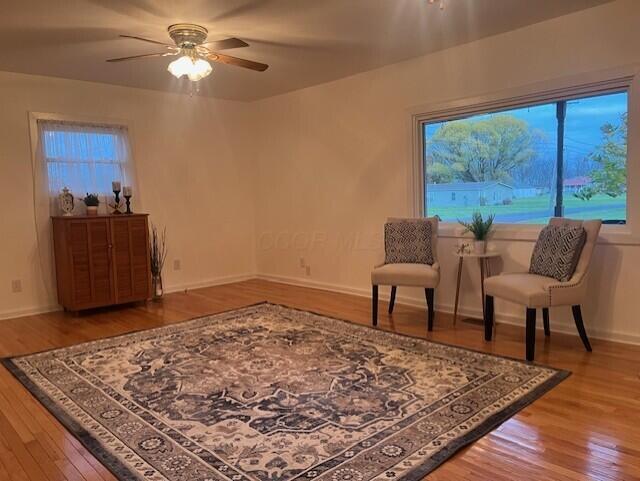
{"x": 195, "y": 51}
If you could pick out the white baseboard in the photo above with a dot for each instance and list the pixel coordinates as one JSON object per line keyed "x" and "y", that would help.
{"x": 558, "y": 326}
{"x": 216, "y": 281}
{"x": 32, "y": 311}
{"x": 325, "y": 286}
{"x": 28, "y": 311}
{"x": 464, "y": 311}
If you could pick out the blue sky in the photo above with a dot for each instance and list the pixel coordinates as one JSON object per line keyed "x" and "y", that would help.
{"x": 582, "y": 124}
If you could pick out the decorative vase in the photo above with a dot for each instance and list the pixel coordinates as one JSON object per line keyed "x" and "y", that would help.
{"x": 480, "y": 247}
{"x": 156, "y": 285}
{"x": 66, "y": 202}
{"x": 92, "y": 210}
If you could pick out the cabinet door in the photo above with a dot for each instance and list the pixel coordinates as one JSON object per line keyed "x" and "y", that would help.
{"x": 89, "y": 246}
{"x": 140, "y": 261}
{"x": 131, "y": 258}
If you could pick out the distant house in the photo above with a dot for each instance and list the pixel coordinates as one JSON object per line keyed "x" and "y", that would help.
{"x": 575, "y": 183}
{"x": 462, "y": 194}
{"x": 527, "y": 192}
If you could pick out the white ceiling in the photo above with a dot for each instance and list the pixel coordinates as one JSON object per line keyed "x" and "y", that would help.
{"x": 305, "y": 42}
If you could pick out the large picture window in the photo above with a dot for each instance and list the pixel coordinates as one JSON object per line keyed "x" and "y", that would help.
{"x": 531, "y": 162}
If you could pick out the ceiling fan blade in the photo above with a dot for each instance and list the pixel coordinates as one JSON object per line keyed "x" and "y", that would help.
{"x": 238, "y": 62}
{"x": 226, "y": 44}
{"x": 147, "y": 55}
{"x": 147, "y": 40}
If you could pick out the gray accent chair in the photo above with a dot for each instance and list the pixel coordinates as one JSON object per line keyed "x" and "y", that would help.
{"x": 408, "y": 275}
{"x": 535, "y": 291}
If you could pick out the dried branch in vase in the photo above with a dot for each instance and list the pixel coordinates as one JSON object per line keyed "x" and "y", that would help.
{"x": 158, "y": 252}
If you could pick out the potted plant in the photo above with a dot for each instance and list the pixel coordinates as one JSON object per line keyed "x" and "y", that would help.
{"x": 158, "y": 252}
{"x": 480, "y": 229}
{"x": 92, "y": 202}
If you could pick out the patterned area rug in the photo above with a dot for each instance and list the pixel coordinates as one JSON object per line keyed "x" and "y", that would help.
{"x": 268, "y": 393}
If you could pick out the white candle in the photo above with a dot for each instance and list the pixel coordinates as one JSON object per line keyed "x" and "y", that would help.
{"x": 126, "y": 191}
{"x": 115, "y": 186}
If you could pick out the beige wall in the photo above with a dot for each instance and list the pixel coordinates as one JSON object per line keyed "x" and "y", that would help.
{"x": 192, "y": 179}
{"x": 320, "y": 171}
{"x": 335, "y": 161}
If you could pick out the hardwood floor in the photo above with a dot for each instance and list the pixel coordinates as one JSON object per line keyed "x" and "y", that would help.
{"x": 586, "y": 428}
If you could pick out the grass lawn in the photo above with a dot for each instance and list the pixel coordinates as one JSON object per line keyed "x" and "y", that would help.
{"x": 607, "y": 214}
{"x": 536, "y": 210}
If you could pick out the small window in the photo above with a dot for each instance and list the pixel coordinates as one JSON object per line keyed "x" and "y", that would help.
{"x": 84, "y": 157}
{"x": 529, "y": 163}
{"x": 453, "y": 196}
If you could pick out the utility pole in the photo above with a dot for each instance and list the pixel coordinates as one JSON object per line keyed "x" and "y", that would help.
{"x": 561, "y": 113}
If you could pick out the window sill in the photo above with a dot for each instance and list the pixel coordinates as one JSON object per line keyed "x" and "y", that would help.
{"x": 609, "y": 234}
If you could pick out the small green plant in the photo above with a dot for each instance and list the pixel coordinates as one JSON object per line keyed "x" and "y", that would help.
{"x": 479, "y": 227}
{"x": 91, "y": 200}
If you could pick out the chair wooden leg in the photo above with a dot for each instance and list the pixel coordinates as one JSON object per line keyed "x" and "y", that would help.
{"x": 545, "y": 321}
{"x": 488, "y": 317}
{"x": 374, "y": 305}
{"x": 455, "y": 304}
{"x": 392, "y": 300}
{"x": 430, "y": 312}
{"x": 482, "y": 267}
{"x": 577, "y": 316}
{"x": 531, "y": 333}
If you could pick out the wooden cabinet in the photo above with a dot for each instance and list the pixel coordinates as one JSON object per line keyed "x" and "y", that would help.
{"x": 101, "y": 260}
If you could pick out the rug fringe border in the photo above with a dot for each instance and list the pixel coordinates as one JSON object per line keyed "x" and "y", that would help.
{"x": 93, "y": 445}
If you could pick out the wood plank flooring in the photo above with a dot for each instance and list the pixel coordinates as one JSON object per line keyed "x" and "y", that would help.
{"x": 588, "y": 428}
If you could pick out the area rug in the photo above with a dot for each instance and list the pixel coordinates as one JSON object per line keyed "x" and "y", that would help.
{"x": 268, "y": 393}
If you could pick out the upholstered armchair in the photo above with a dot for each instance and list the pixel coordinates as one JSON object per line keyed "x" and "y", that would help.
{"x": 536, "y": 291}
{"x": 408, "y": 274}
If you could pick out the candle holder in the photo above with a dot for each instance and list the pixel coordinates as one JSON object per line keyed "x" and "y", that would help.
{"x": 116, "y": 202}
{"x": 127, "y": 199}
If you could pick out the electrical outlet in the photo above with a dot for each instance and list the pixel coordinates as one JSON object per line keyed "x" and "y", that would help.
{"x": 176, "y": 265}
{"x": 302, "y": 263}
{"x": 307, "y": 270}
{"x": 16, "y": 286}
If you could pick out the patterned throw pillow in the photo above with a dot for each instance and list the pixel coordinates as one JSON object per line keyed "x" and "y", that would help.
{"x": 408, "y": 241}
{"x": 557, "y": 251}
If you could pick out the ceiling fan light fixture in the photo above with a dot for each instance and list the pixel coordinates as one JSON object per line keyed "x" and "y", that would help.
{"x": 201, "y": 68}
{"x": 194, "y": 68}
{"x": 193, "y": 52}
{"x": 180, "y": 67}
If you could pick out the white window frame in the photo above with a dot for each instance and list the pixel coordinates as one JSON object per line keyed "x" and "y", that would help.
{"x": 598, "y": 83}
{"x": 34, "y": 117}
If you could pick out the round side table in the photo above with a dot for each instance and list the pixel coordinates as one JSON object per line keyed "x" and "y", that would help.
{"x": 485, "y": 271}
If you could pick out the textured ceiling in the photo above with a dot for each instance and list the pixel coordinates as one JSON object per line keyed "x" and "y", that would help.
{"x": 305, "y": 42}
